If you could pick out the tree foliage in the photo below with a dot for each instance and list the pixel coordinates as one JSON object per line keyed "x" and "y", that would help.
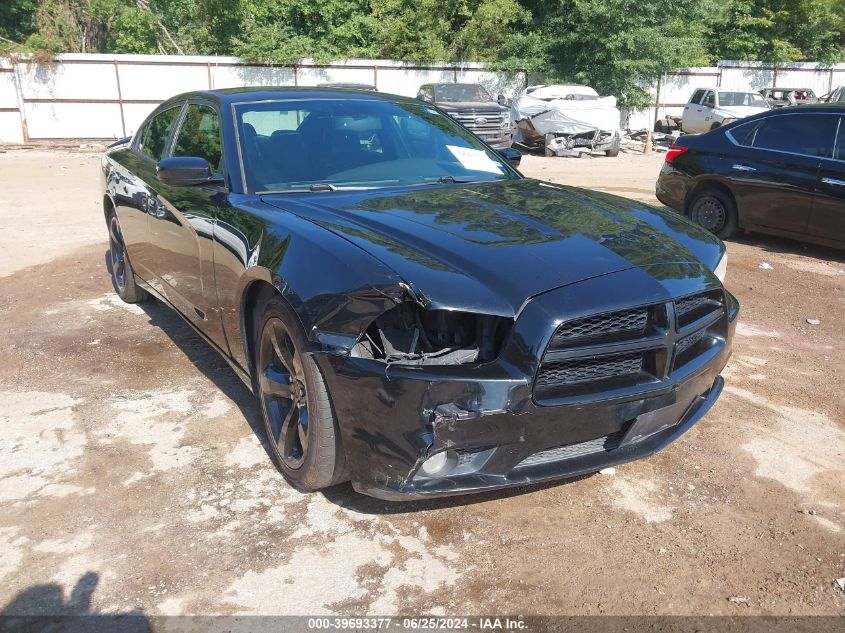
{"x": 614, "y": 45}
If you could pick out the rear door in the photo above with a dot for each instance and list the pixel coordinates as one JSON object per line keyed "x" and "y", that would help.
{"x": 828, "y": 217}
{"x": 693, "y": 113}
{"x": 776, "y": 165}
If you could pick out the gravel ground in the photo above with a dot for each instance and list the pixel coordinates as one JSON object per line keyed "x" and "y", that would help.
{"x": 132, "y": 478}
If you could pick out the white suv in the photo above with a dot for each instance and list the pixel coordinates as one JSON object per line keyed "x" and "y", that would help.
{"x": 709, "y": 108}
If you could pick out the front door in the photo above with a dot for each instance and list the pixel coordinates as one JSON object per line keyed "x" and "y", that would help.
{"x": 182, "y": 226}
{"x": 693, "y": 113}
{"x": 828, "y": 218}
{"x": 773, "y": 174}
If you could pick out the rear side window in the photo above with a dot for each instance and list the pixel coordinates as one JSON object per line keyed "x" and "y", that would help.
{"x": 154, "y": 137}
{"x": 199, "y": 135}
{"x": 696, "y": 96}
{"x": 811, "y": 134}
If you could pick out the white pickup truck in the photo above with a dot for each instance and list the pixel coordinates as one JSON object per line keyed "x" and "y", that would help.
{"x": 709, "y": 108}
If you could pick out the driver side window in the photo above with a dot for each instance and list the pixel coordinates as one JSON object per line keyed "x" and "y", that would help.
{"x": 710, "y": 99}
{"x": 199, "y": 135}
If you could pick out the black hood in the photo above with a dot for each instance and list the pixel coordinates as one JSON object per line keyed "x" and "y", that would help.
{"x": 490, "y": 247}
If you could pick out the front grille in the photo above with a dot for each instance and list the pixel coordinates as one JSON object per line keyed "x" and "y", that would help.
{"x": 686, "y": 343}
{"x": 606, "y": 443}
{"x": 597, "y": 326}
{"x": 638, "y": 347}
{"x": 572, "y": 372}
{"x": 695, "y": 307}
{"x": 492, "y": 127}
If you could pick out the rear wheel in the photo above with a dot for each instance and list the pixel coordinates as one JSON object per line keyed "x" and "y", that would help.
{"x": 715, "y": 211}
{"x": 122, "y": 275}
{"x": 298, "y": 418}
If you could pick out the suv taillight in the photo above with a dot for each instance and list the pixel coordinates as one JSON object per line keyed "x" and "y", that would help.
{"x": 675, "y": 151}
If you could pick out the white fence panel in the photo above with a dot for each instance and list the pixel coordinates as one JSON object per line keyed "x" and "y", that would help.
{"x": 68, "y": 80}
{"x": 158, "y": 81}
{"x": 233, "y": 76}
{"x": 318, "y": 75}
{"x": 107, "y": 96}
{"x": 55, "y": 120}
{"x": 407, "y": 81}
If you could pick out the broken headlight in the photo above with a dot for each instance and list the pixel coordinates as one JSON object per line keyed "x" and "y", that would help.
{"x": 411, "y": 335}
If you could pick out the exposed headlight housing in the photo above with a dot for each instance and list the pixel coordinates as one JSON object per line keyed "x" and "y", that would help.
{"x": 722, "y": 267}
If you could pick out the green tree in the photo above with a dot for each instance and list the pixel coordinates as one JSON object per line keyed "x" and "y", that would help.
{"x": 613, "y": 45}
{"x": 780, "y": 30}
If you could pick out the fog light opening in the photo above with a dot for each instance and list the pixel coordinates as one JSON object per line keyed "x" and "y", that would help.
{"x": 438, "y": 463}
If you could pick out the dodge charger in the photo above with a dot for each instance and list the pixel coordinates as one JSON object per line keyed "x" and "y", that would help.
{"x": 412, "y": 314}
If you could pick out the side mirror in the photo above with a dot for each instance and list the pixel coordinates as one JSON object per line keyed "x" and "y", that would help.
{"x": 422, "y": 97}
{"x": 511, "y": 155}
{"x": 185, "y": 171}
{"x": 501, "y": 100}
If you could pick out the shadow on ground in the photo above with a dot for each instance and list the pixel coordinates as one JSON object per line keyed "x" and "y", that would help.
{"x": 43, "y": 608}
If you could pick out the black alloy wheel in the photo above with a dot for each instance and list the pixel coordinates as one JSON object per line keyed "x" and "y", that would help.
{"x": 117, "y": 253}
{"x": 284, "y": 394}
{"x": 122, "y": 275}
{"x": 299, "y": 421}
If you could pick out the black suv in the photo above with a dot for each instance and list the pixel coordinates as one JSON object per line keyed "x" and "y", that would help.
{"x": 473, "y": 107}
{"x": 780, "y": 172}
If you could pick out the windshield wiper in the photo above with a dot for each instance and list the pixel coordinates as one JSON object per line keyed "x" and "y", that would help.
{"x": 447, "y": 179}
{"x": 318, "y": 186}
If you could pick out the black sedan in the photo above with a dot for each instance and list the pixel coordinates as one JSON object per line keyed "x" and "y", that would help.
{"x": 780, "y": 172}
{"x": 411, "y": 312}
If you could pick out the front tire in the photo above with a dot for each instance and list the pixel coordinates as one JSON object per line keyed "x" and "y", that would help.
{"x": 715, "y": 211}
{"x": 299, "y": 421}
{"x": 122, "y": 274}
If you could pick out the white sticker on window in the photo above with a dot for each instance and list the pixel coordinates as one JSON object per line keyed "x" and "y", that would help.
{"x": 474, "y": 159}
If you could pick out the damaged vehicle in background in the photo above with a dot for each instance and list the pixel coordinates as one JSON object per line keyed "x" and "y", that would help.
{"x": 412, "y": 314}
{"x": 564, "y": 120}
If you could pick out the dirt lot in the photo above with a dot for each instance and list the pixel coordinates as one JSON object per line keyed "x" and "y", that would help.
{"x": 131, "y": 473}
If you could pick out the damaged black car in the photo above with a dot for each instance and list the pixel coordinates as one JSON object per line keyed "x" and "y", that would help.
{"x": 412, "y": 313}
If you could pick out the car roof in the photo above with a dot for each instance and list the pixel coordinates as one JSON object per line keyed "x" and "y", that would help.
{"x": 785, "y": 89}
{"x": 837, "y": 107}
{"x": 228, "y": 96}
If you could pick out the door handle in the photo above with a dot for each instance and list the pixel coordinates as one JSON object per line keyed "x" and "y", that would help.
{"x": 833, "y": 182}
{"x": 740, "y": 167}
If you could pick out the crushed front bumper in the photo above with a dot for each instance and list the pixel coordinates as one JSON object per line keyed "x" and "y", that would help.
{"x": 488, "y": 423}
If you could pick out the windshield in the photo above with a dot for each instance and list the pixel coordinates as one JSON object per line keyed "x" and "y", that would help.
{"x": 289, "y": 145}
{"x": 753, "y": 99}
{"x": 461, "y": 92}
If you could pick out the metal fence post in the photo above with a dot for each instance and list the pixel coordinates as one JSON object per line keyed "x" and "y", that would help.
{"x": 120, "y": 99}
{"x": 19, "y": 94}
